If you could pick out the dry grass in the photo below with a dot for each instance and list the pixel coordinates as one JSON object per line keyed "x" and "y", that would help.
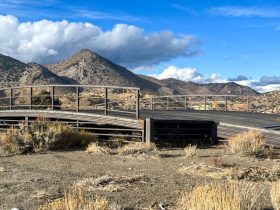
{"x": 191, "y": 151}
{"x": 43, "y": 136}
{"x": 2, "y": 169}
{"x": 138, "y": 148}
{"x": 93, "y": 148}
{"x": 110, "y": 183}
{"x": 249, "y": 143}
{"x": 75, "y": 199}
{"x": 223, "y": 196}
{"x": 275, "y": 195}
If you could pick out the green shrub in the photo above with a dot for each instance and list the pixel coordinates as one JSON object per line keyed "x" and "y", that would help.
{"x": 44, "y": 100}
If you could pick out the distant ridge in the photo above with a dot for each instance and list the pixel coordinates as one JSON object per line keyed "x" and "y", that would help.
{"x": 87, "y": 67}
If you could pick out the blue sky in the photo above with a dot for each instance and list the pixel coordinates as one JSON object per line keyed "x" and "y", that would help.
{"x": 209, "y": 41}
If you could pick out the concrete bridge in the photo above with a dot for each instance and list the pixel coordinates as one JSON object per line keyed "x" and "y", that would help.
{"x": 117, "y": 112}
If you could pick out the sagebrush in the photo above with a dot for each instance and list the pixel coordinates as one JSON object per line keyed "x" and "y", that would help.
{"x": 191, "y": 150}
{"x": 248, "y": 143}
{"x": 43, "y": 136}
{"x": 221, "y": 196}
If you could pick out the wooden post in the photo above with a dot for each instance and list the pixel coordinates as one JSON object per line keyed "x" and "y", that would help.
{"x": 77, "y": 99}
{"x": 225, "y": 103}
{"x": 11, "y": 99}
{"x": 205, "y": 103}
{"x": 137, "y": 103}
{"x": 106, "y": 101}
{"x": 167, "y": 102}
{"x": 30, "y": 97}
{"x": 52, "y": 96}
{"x": 185, "y": 102}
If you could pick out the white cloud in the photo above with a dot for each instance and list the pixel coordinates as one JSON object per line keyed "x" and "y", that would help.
{"x": 47, "y": 41}
{"x": 264, "y": 84}
{"x": 238, "y": 11}
{"x": 185, "y": 74}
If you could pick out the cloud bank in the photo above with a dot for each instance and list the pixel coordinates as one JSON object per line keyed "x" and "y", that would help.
{"x": 48, "y": 41}
{"x": 187, "y": 74}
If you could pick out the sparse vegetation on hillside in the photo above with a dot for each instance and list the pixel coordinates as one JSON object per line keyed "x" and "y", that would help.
{"x": 221, "y": 196}
{"x": 43, "y": 136}
{"x": 248, "y": 143}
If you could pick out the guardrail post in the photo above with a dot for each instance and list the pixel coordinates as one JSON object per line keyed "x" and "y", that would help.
{"x": 52, "y": 96}
{"x": 225, "y": 103}
{"x": 152, "y": 104}
{"x": 30, "y": 97}
{"x": 185, "y": 98}
{"x": 167, "y": 103}
{"x": 106, "y": 101}
{"x": 248, "y": 104}
{"x": 272, "y": 108}
{"x": 205, "y": 103}
{"x": 77, "y": 99}
{"x": 137, "y": 103}
{"x": 11, "y": 98}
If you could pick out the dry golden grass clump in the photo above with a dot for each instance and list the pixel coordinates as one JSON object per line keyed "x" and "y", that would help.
{"x": 222, "y": 196}
{"x": 75, "y": 199}
{"x": 42, "y": 136}
{"x": 138, "y": 148}
{"x": 249, "y": 143}
{"x": 2, "y": 168}
{"x": 93, "y": 148}
{"x": 191, "y": 151}
{"x": 275, "y": 195}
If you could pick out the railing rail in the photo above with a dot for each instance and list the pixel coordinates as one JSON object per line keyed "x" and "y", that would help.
{"x": 78, "y": 98}
{"x": 261, "y": 104}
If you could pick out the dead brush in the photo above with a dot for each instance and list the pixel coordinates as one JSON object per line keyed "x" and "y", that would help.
{"x": 75, "y": 199}
{"x": 93, "y": 148}
{"x": 275, "y": 195}
{"x": 221, "y": 196}
{"x": 248, "y": 143}
{"x": 138, "y": 148}
{"x": 220, "y": 163}
{"x": 191, "y": 150}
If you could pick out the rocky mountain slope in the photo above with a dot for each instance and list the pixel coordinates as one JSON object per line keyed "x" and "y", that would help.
{"x": 16, "y": 73}
{"x": 87, "y": 67}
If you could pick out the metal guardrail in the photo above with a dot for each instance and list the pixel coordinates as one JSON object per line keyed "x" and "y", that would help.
{"x": 78, "y": 98}
{"x": 259, "y": 104}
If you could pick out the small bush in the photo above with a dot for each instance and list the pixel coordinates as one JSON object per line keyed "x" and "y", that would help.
{"x": 275, "y": 195}
{"x": 44, "y": 101}
{"x": 225, "y": 196}
{"x": 42, "y": 136}
{"x": 75, "y": 199}
{"x": 249, "y": 143}
{"x": 138, "y": 148}
{"x": 191, "y": 151}
{"x": 93, "y": 148}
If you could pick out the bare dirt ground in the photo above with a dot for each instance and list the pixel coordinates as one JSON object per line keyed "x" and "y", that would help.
{"x": 28, "y": 181}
